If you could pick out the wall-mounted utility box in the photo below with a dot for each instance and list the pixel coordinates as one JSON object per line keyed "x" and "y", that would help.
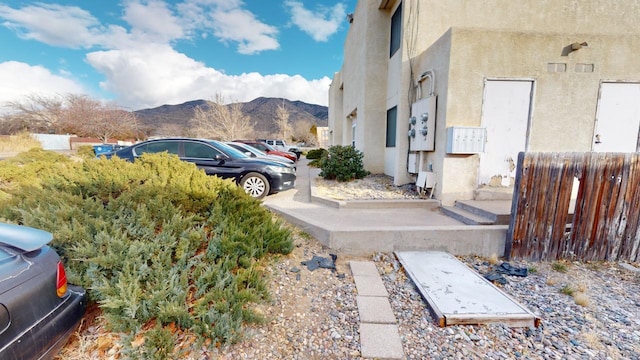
{"x": 422, "y": 125}
{"x": 412, "y": 163}
{"x": 466, "y": 140}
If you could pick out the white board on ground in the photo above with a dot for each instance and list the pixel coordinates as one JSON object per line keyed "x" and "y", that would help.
{"x": 456, "y": 294}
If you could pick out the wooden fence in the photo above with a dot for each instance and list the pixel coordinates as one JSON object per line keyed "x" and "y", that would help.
{"x": 603, "y": 225}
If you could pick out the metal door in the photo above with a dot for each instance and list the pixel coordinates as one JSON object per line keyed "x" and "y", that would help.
{"x": 617, "y": 118}
{"x": 506, "y": 111}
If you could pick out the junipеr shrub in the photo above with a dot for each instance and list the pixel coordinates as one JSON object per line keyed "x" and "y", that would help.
{"x": 343, "y": 163}
{"x": 152, "y": 241}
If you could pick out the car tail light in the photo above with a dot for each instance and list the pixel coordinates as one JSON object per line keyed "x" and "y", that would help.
{"x": 61, "y": 280}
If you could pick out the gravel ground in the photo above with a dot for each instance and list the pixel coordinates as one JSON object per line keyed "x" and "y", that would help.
{"x": 372, "y": 187}
{"x": 314, "y": 313}
{"x": 588, "y": 310}
{"x": 606, "y": 324}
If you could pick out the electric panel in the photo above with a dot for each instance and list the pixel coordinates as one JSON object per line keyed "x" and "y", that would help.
{"x": 422, "y": 125}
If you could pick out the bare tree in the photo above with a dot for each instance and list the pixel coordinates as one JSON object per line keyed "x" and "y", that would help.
{"x": 222, "y": 122}
{"x": 88, "y": 117}
{"x": 282, "y": 120}
{"x": 302, "y": 131}
{"x": 39, "y": 112}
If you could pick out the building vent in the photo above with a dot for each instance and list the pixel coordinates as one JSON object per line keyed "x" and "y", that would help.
{"x": 556, "y": 67}
{"x": 584, "y": 68}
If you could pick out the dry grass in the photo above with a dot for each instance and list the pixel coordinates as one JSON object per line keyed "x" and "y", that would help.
{"x": 559, "y": 267}
{"x": 18, "y": 143}
{"x": 581, "y": 298}
{"x": 493, "y": 259}
{"x": 592, "y": 339}
{"x": 567, "y": 290}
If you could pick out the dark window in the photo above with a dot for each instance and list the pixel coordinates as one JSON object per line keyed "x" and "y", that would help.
{"x": 156, "y": 147}
{"x": 260, "y": 147}
{"x": 392, "y": 115}
{"x": 199, "y": 151}
{"x": 396, "y": 31}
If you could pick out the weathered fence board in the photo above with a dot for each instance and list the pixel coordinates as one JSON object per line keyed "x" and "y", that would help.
{"x": 605, "y": 222}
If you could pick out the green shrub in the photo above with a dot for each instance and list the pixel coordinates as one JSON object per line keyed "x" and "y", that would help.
{"x": 86, "y": 152}
{"x": 155, "y": 240}
{"x": 343, "y": 163}
{"x": 316, "y": 153}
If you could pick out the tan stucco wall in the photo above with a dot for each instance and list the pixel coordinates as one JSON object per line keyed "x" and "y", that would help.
{"x": 364, "y": 75}
{"x": 467, "y": 42}
{"x": 563, "y": 105}
{"x": 335, "y": 111}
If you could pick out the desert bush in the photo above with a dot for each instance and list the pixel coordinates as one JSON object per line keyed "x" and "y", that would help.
{"x": 316, "y": 153}
{"x": 86, "y": 152}
{"x": 343, "y": 163}
{"x": 155, "y": 240}
{"x": 22, "y": 141}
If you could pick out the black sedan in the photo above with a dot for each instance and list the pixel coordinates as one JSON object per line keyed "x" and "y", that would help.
{"x": 258, "y": 177}
{"x": 38, "y": 309}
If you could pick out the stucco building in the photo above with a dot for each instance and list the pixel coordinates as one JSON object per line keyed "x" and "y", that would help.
{"x": 452, "y": 90}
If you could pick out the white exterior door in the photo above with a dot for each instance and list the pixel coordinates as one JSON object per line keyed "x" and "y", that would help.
{"x": 505, "y": 114}
{"x": 617, "y": 118}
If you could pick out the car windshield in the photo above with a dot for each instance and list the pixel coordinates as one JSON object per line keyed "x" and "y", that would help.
{"x": 244, "y": 148}
{"x": 234, "y": 153}
{"x": 263, "y": 146}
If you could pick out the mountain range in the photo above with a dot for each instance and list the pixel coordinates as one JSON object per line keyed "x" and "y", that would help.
{"x": 176, "y": 119}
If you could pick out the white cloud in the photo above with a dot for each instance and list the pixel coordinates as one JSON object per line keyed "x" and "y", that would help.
{"x": 321, "y": 24}
{"x": 20, "y": 80}
{"x": 140, "y": 66}
{"x": 241, "y": 26}
{"x": 57, "y": 25}
{"x": 156, "y": 74}
{"x": 231, "y": 23}
{"x": 153, "y": 19}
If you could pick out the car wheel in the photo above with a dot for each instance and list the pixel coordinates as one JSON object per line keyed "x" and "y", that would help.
{"x": 256, "y": 185}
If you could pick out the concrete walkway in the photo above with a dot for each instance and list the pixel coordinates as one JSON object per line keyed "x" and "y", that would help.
{"x": 379, "y": 337}
{"x": 363, "y": 228}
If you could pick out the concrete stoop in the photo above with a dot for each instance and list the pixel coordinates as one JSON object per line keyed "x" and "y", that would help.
{"x": 480, "y": 212}
{"x": 362, "y": 232}
{"x": 494, "y": 193}
{"x": 379, "y": 336}
{"x": 364, "y": 227}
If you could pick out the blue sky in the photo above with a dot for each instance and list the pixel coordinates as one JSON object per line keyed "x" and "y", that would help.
{"x": 146, "y": 53}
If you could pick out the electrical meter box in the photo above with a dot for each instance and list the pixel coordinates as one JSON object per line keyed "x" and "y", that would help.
{"x": 422, "y": 125}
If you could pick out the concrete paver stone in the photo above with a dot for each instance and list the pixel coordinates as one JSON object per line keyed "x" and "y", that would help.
{"x": 370, "y": 286}
{"x": 363, "y": 268}
{"x": 380, "y": 341}
{"x": 375, "y": 310}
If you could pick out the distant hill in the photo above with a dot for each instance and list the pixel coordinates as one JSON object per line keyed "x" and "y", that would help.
{"x": 175, "y": 119}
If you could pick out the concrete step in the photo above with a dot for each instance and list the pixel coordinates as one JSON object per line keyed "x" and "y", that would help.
{"x": 466, "y": 217}
{"x": 494, "y": 193}
{"x": 499, "y": 211}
